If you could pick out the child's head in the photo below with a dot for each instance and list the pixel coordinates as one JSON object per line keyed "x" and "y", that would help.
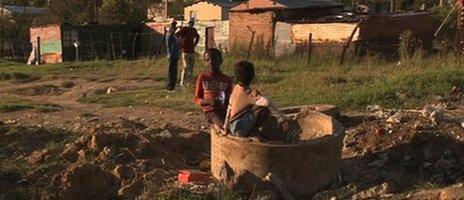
{"x": 214, "y": 58}
{"x": 244, "y": 72}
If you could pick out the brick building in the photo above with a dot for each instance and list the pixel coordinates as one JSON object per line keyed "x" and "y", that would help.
{"x": 284, "y": 26}
{"x": 261, "y": 16}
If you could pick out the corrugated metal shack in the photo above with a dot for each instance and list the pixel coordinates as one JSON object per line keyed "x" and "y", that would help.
{"x": 58, "y": 42}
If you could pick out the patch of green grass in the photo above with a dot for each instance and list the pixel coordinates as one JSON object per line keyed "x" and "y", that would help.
{"x": 153, "y": 96}
{"x": 12, "y": 107}
{"x": 18, "y": 106}
{"x": 288, "y": 81}
{"x": 47, "y": 108}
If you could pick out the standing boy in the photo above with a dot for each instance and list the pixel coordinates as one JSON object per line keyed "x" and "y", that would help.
{"x": 213, "y": 89}
{"x": 172, "y": 49}
{"x": 189, "y": 39}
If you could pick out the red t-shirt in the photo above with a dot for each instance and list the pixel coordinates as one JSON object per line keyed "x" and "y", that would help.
{"x": 187, "y": 37}
{"x": 213, "y": 86}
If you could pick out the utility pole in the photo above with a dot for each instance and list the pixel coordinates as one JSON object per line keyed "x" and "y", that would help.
{"x": 2, "y": 28}
{"x": 166, "y": 16}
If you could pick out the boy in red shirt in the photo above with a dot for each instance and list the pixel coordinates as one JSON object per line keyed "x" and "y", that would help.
{"x": 213, "y": 89}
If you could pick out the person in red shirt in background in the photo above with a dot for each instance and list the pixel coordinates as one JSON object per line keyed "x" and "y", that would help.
{"x": 213, "y": 89}
{"x": 189, "y": 39}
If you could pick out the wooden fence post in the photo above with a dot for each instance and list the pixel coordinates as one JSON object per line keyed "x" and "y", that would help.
{"x": 134, "y": 41}
{"x": 347, "y": 45}
{"x": 108, "y": 47}
{"x": 39, "y": 58}
{"x": 251, "y": 42}
{"x": 310, "y": 44}
{"x": 121, "y": 49}
{"x": 113, "y": 51}
{"x": 92, "y": 48}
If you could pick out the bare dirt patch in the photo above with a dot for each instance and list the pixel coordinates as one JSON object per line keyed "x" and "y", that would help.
{"x": 40, "y": 90}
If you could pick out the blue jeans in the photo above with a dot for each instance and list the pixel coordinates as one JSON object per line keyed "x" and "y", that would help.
{"x": 243, "y": 125}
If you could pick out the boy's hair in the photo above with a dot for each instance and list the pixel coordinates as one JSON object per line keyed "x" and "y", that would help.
{"x": 214, "y": 53}
{"x": 244, "y": 72}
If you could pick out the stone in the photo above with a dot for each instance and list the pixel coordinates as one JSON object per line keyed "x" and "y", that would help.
{"x": 131, "y": 190}
{"x": 166, "y": 134}
{"x": 88, "y": 181}
{"x": 111, "y": 90}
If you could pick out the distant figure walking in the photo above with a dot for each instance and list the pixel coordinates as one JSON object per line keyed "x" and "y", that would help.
{"x": 189, "y": 39}
{"x": 172, "y": 49}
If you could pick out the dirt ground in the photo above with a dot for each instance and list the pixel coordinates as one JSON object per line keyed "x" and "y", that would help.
{"x": 90, "y": 151}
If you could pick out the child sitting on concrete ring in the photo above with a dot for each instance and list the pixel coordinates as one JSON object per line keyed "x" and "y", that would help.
{"x": 249, "y": 112}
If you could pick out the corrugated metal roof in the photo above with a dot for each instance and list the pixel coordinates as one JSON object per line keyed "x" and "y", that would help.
{"x": 285, "y": 4}
{"x": 24, "y": 10}
{"x": 292, "y": 4}
{"x": 222, "y": 3}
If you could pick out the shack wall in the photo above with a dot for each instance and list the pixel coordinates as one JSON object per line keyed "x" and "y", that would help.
{"x": 203, "y": 11}
{"x": 392, "y": 26}
{"x": 102, "y": 41}
{"x": 243, "y": 23}
{"x": 326, "y": 37}
{"x": 50, "y": 39}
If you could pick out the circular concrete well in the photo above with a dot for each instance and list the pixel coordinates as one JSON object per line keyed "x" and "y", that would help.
{"x": 303, "y": 167}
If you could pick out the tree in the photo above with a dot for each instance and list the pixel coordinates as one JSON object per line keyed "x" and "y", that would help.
{"x": 123, "y": 11}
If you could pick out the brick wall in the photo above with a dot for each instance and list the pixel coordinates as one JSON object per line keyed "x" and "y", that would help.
{"x": 263, "y": 23}
{"x": 50, "y": 42}
{"x": 389, "y": 27}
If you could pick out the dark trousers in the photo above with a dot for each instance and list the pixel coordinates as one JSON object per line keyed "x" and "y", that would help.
{"x": 172, "y": 74}
{"x": 216, "y": 117}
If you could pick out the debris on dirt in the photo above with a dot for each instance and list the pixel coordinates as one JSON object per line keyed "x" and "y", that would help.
{"x": 68, "y": 84}
{"x": 452, "y": 192}
{"x": 166, "y": 134}
{"x": 131, "y": 190}
{"x": 376, "y": 192}
{"x": 40, "y": 156}
{"x": 193, "y": 176}
{"x": 40, "y": 90}
{"x": 111, "y": 90}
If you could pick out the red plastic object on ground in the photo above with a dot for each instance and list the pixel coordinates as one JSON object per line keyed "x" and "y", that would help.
{"x": 192, "y": 176}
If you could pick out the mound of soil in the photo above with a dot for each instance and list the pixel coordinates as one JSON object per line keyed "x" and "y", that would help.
{"x": 87, "y": 181}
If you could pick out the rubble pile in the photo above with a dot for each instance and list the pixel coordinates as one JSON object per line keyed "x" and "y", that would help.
{"x": 117, "y": 159}
{"x": 393, "y": 151}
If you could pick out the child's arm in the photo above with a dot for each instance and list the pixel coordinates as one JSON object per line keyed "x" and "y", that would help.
{"x": 265, "y": 102}
{"x": 199, "y": 91}
{"x": 199, "y": 94}
{"x": 227, "y": 119}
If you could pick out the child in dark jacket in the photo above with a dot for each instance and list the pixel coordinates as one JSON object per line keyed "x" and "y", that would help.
{"x": 213, "y": 89}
